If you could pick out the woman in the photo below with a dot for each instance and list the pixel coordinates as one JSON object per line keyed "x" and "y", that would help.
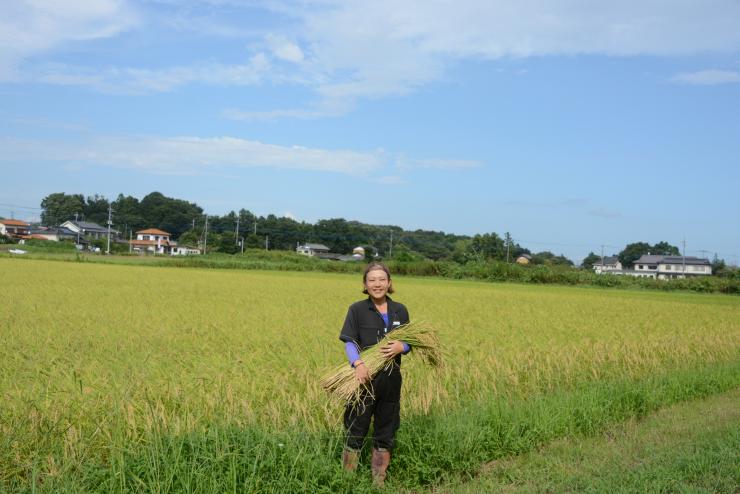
{"x": 369, "y": 321}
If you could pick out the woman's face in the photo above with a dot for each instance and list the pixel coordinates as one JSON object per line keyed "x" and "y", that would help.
{"x": 377, "y": 283}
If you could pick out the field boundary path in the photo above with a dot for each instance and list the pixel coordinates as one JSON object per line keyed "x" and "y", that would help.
{"x": 688, "y": 447}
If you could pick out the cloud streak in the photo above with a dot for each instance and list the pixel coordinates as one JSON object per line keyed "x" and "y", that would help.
{"x": 708, "y": 77}
{"x": 197, "y": 155}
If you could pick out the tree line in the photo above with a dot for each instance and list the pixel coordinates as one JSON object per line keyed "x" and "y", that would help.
{"x": 187, "y": 223}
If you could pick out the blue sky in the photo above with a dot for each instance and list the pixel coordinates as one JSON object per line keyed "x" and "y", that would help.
{"x": 571, "y": 124}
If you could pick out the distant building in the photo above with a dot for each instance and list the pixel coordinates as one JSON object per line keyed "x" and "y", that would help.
{"x": 153, "y": 241}
{"x": 658, "y": 267}
{"x": 88, "y": 229}
{"x": 524, "y": 259}
{"x": 610, "y": 264}
{"x": 312, "y": 249}
{"x": 668, "y": 267}
{"x": 54, "y": 233}
{"x": 14, "y": 228}
{"x": 184, "y": 250}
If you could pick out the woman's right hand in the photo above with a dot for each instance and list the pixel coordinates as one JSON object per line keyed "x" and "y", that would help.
{"x": 361, "y": 372}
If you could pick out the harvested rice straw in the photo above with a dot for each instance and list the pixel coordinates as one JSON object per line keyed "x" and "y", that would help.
{"x": 343, "y": 384}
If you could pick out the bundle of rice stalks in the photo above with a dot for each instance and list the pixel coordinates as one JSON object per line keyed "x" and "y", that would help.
{"x": 343, "y": 384}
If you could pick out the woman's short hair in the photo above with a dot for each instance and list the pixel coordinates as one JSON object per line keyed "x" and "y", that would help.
{"x": 372, "y": 267}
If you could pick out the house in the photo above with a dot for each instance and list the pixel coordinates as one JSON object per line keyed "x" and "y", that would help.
{"x": 669, "y": 267}
{"x": 152, "y": 240}
{"x": 14, "y": 228}
{"x": 524, "y": 259}
{"x": 54, "y": 233}
{"x": 609, "y": 264}
{"x": 87, "y": 229}
{"x": 184, "y": 250}
{"x": 312, "y": 249}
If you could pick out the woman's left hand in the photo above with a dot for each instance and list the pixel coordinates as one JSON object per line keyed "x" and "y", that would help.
{"x": 391, "y": 349}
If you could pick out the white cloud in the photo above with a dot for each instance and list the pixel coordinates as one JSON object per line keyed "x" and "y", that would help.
{"x": 192, "y": 155}
{"x": 707, "y": 77}
{"x": 196, "y": 155}
{"x": 33, "y": 27}
{"x": 404, "y": 163}
{"x": 602, "y": 212}
{"x": 345, "y": 50}
{"x": 284, "y": 49}
{"x": 272, "y": 115}
{"x": 389, "y": 180}
{"x": 132, "y": 80}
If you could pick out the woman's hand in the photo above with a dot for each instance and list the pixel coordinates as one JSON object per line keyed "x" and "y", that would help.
{"x": 391, "y": 349}
{"x": 361, "y": 372}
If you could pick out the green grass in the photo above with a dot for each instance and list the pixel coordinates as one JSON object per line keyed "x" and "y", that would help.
{"x": 688, "y": 447}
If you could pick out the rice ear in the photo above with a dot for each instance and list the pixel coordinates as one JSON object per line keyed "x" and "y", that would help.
{"x": 342, "y": 383}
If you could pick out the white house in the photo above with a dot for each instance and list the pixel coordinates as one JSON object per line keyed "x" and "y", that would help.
{"x": 610, "y": 264}
{"x": 184, "y": 250}
{"x": 312, "y": 249}
{"x": 154, "y": 241}
{"x": 668, "y": 267}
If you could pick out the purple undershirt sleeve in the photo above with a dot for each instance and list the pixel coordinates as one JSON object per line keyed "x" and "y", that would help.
{"x": 352, "y": 352}
{"x": 406, "y": 348}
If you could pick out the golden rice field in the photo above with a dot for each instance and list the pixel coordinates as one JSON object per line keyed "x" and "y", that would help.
{"x": 95, "y": 359}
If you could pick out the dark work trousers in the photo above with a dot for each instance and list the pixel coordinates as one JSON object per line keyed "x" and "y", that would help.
{"x": 383, "y": 404}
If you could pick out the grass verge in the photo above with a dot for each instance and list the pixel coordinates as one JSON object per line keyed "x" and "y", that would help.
{"x": 688, "y": 447}
{"x": 432, "y": 450}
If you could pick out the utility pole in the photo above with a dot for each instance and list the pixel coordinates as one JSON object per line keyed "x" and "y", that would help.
{"x": 255, "y": 226}
{"x": 130, "y": 238}
{"x": 205, "y": 236}
{"x": 110, "y": 212}
{"x": 236, "y": 234}
{"x": 602, "y": 257}
{"x": 508, "y": 242}
{"x": 242, "y": 239}
{"x": 78, "y": 229}
{"x": 193, "y": 223}
{"x": 267, "y": 241}
{"x": 684, "y": 257}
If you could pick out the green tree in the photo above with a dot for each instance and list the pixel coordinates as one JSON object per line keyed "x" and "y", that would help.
{"x": 402, "y": 253}
{"x": 488, "y": 246}
{"x": 227, "y": 243}
{"x": 590, "y": 260}
{"x": 96, "y": 209}
{"x": 548, "y": 258}
{"x": 127, "y": 217}
{"x": 171, "y": 215}
{"x": 253, "y": 241}
{"x": 59, "y": 207}
{"x": 665, "y": 249}
{"x": 632, "y": 252}
{"x": 190, "y": 238}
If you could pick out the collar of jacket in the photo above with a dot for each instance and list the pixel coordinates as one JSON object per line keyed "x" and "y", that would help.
{"x": 392, "y": 307}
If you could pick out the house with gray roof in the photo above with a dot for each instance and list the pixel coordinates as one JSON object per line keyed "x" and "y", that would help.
{"x": 309, "y": 249}
{"x": 609, "y": 264}
{"x": 669, "y": 267}
{"x": 88, "y": 229}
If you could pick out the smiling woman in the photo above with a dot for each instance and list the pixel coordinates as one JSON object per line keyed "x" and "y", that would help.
{"x": 367, "y": 322}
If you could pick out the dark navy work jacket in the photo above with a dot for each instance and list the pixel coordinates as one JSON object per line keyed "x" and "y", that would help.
{"x": 364, "y": 325}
